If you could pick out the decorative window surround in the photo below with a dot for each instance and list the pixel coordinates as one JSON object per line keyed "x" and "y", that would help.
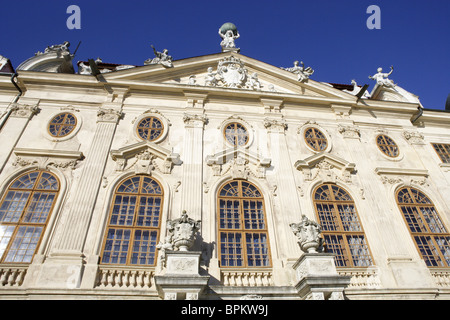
{"x": 239, "y": 120}
{"x": 42, "y": 158}
{"x": 155, "y": 114}
{"x": 146, "y": 154}
{"x": 398, "y": 175}
{"x": 313, "y": 124}
{"x": 237, "y": 161}
{"x": 324, "y": 163}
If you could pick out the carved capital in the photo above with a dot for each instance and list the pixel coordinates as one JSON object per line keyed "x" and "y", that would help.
{"x": 196, "y": 120}
{"x": 350, "y": 132}
{"x": 109, "y": 115}
{"x": 275, "y": 125}
{"x": 24, "y": 111}
{"x": 413, "y": 137}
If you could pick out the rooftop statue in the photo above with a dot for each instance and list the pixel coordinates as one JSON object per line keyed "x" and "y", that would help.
{"x": 229, "y": 33}
{"x": 382, "y": 78}
{"x": 57, "y": 48}
{"x": 162, "y": 58}
{"x": 302, "y": 72}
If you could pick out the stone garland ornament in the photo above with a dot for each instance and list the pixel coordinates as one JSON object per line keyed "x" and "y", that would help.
{"x": 308, "y": 235}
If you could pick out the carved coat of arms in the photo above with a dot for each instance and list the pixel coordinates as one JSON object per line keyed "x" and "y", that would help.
{"x": 231, "y": 72}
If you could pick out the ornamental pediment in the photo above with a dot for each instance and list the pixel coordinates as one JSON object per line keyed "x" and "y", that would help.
{"x": 326, "y": 166}
{"x": 144, "y": 157}
{"x": 229, "y": 71}
{"x": 239, "y": 163}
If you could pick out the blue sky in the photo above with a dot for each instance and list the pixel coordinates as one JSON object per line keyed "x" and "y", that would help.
{"x": 331, "y": 36}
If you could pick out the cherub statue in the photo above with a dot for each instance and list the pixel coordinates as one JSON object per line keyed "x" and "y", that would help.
{"x": 253, "y": 82}
{"x": 382, "y": 78}
{"x": 210, "y": 79}
{"x": 166, "y": 245}
{"x": 228, "y": 39}
{"x": 161, "y": 58}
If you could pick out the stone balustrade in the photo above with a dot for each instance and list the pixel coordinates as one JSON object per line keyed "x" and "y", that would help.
{"x": 441, "y": 277}
{"x": 361, "y": 277}
{"x": 245, "y": 278}
{"x": 12, "y": 276}
{"x": 125, "y": 277}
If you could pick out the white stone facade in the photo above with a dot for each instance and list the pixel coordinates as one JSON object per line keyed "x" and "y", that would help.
{"x": 192, "y": 159}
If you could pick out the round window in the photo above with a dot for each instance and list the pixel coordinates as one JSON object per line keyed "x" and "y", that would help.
{"x": 236, "y": 134}
{"x": 150, "y": 128}
{"x": 62, "y": 125}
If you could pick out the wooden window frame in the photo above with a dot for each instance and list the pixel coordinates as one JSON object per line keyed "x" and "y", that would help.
{"x": 419, "y": 222}
{"x": 34, "y": 190}
{"x": 149, "y": 129}
{"x": 335, "y": 220}
{"x": 314, "y": 142}
{"x": 242, "y": 230}
{"x": 386, "y": 148}
{"x": 234, "y": 138}
{"x": 62, "y": 125}
{"x": 133, "y": 227}
{"x": 443, "y": 151}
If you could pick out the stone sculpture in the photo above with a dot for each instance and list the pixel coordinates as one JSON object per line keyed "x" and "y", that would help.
{"x": 308, "y": 235}
{"x": 302, "y": 72}
{"x": 182, "y": 232}
{"x": 382, "y": 79}
{"x": 229, "y": 33}
{"x": 162, "y": 58}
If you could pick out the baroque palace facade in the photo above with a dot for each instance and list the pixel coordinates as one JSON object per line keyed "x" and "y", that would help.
{"x": 217, "y": 177}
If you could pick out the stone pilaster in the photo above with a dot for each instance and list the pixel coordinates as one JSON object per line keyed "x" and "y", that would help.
{"x": 286, "y": 191}
{"x": 192, "y": 180}
{"x": 65, "y": 264}
{"x": 18, "y": 115}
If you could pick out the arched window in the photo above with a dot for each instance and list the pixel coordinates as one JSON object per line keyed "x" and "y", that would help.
{"x": 429, "y": 233}
{"x": 134, "y": 223}
{"x": 243, "y": 239}
{"x": 316, "y": 139}
{"x": 24, "y": 212}
{"x": 341, "y": 228}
